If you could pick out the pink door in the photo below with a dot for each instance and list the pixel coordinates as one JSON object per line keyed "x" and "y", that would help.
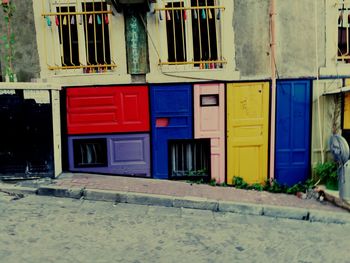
{"x": 209, "y": 122}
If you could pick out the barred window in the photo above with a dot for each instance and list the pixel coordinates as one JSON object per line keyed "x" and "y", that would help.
{"x": 81, "y": 28}
{"x": 343, "y": 53}
{"x": 68, "y": 37}
{"x": 176, "y": 33}
{"x": 193, "y": 33}
{"x": 96, "y": 34}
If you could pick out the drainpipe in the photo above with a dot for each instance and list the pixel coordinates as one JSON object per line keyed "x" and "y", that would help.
{"x": 273, "y": 87}
{"x": 317, "y": 84}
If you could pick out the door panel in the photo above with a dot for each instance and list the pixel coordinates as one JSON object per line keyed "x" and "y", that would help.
{"x": 122, "y": 154}
{"x": 172, "y": 111}
{"x": 293, "y": 131}
{"x": 209, "y": 121}
{"x": 247, "y": 131}
{"x": 346, "y": 117}
{"x": 107, "y": 109}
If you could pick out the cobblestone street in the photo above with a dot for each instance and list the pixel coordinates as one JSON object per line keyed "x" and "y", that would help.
{"x": 47, "y": 229}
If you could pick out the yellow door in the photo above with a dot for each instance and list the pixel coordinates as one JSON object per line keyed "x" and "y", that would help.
{"x": 247, "y": 131}
{"x": 346, "y": 122}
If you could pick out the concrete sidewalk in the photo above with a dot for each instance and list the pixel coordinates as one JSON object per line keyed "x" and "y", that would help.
{"x": 182, "y": 194}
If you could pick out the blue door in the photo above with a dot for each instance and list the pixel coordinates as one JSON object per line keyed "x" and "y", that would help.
{"x": 293, "y": 131}
{"x": 172, "y": 111}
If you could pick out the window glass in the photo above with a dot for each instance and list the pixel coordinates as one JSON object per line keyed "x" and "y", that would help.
{"x": 68, "y": 36}
{"x": 204, "y": 31}
{"x": 96, "y": 34}
{"x": 176, "y": 33}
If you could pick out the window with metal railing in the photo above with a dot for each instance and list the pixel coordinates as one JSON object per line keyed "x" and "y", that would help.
{"x": 79, "y": 31}
{"x": 191, "y": 31}
{"x": 343, "y": 53}
{"x": 189, "y": 159}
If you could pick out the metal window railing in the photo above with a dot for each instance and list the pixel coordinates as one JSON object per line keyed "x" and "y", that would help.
{"x": 83, "y": 34}
{"x": 189, "y": 158}
{"x": 201, "y": 21}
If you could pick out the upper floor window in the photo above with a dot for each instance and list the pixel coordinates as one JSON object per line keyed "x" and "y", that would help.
{"x": 79, "y": 30}
{"x": 343, "y": 53}
{"x": 191, "y": 33}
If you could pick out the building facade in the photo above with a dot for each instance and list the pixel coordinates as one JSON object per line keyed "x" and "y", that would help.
{"x": 190, "y": 89}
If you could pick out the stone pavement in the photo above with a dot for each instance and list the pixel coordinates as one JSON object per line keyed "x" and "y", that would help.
{"x": 38, "y": 229}
{"x": 182, "y": 194}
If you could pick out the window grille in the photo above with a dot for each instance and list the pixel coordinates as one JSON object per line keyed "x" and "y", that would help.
{"x": 189, "y": 158}
{"x": 83, "y": 35}
{"x": 343, "y": 53}
{"x": 193, "y": 32}
{"x": 90, "y": 153}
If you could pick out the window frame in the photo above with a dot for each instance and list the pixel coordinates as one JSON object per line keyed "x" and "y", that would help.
{"x": 55, "y": 57}
{"x": 333, "y": 66}
{"x": 163, "y": 42}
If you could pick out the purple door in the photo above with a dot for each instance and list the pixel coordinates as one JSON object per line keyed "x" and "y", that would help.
{"x": 123, "y": 154}
{"x": 130, "y": 154}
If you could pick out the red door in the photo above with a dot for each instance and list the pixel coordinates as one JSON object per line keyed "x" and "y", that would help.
{"x": 107, "y": 109}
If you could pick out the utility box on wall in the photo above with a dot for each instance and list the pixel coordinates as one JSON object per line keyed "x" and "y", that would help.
{"x": 119, "y": 154}
{"x": 209, "y": 122}
{"x": 107, "y": 109}
{"x": 172, "y": 112}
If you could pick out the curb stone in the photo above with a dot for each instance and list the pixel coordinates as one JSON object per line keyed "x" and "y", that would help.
{"x": 148, "y": 199}
{"x": 329, "y": 217}
{"x": 185, "y": 202}
{"x": 58, "y": 191}
{"x": 196, "y": 203}
{"x": 18, "y": 189}
{"x": 240, "y": 208}
{"x": 286, "y": 212}
{"x": 104, "y": 195}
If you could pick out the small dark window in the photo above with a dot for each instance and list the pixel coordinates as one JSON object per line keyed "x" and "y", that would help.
{"x": 343, "y": 35}
{"x": 176, "y": 33}
{"x": 68, "y": 35}
{"x": 90, "y": 152}
{"x": 96, "y": 34}
{"x": 204, "y": 31}
{"x": 209, "y": 100}
{"x": 189, "y": 159}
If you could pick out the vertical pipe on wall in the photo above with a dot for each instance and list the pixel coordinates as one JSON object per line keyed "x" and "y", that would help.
{"x": 273, "y": 87}
{"x": 317, "y": 84}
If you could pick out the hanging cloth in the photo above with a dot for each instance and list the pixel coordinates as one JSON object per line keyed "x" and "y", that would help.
{"x": 106, "y": 19}
{"x": 64, "y": 21}
{"x": 218, "y": 17}
{"x": 72, "y": 21}
{"x": 90, "y": 19}
{"x": 203, "y": 14}
{"x": 160, "y": 15}
{"x": 57, "y": 21}
{"x": 99, "y": 22}
{"x": 168, "y": 15}
{"x": 209, "y": 14}
{"x": 185, "y": 15}
{"x": 195, "y": 14}
{"x": 48, "y": 21}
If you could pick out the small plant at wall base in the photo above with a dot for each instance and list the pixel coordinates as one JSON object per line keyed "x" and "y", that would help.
{"x": 8, "y": 40}
{"x": 327, "y": 174}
